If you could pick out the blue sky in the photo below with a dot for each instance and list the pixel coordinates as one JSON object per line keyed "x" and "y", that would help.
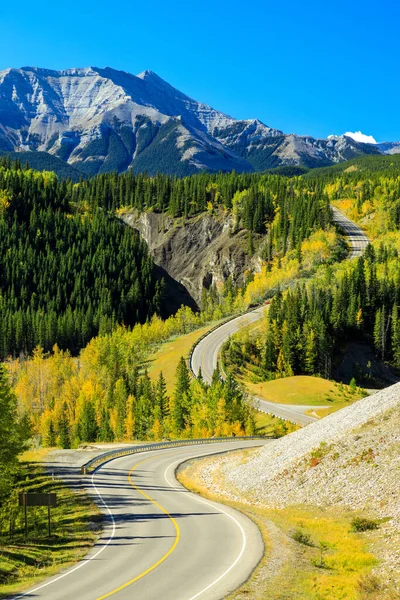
{"x": 311, "y": 67}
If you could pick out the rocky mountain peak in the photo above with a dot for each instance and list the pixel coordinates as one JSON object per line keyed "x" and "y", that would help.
{"x": 100, "y": 119}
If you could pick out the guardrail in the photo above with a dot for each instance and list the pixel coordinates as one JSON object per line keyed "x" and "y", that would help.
{"x": 93, "y": 464}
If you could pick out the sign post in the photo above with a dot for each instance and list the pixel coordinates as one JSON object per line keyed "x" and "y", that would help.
{"x": 49, "y": 500}
{"x": 26, "y": 516}
{"x": 48, "y": 517}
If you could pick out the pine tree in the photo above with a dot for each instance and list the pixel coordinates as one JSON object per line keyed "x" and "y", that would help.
{"x": 14, "y": 432}
{"x": 88, "y": 428}
{"x": 162, "y": 400}
{"x": 180, "y": 403}
{"x": 64, "y": 431}
{"x": 396, "y": 336}
{"x": 379, "y": 332}
{"x": 106, "y": 433}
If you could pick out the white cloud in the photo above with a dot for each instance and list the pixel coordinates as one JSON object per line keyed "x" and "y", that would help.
{"x": 358, "y": 136}
{"x": 361, "y": 137}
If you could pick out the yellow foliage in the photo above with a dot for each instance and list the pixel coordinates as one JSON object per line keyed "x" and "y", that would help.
{"x": 4, "y": 202}
{"x": 318, "y": 247}
{"x": 266, "y": 280}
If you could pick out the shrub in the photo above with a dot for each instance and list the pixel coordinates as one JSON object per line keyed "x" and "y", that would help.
{"x": 363, "y": 524}
{"x": 353, "y": 385}
{"x": 318, "y": 454}
{"x": 303, "y": 538}
{"x": 369, "y": 584}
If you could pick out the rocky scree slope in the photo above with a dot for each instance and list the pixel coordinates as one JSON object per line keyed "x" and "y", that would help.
{"x": 198, "y": 252}
{"x": 101, "y": 120}
{"x": 349, "y": 459}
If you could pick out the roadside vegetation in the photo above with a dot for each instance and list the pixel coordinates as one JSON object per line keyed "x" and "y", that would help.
{"x": 307, "y": 326}
{"x": 25, "y": 559}
{"x": 311, "y": 553}
{"x": 305, "y": 390}
{"x": 166, "y": 358}
{"x": 75, "y": 524}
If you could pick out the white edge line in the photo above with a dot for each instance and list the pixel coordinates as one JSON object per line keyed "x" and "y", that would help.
{"x": 84, "y": 561}
{"x": 213, "y": 505}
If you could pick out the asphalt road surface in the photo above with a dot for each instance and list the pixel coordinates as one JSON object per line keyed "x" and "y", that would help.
{"x": 160, "y": 542}
{"x": 206, "y": 353}
{"x": 355, "y": 235}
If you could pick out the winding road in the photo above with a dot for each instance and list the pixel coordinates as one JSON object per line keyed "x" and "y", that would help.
{"x": 205, "y": 354}
{"x": 160, "y": 541}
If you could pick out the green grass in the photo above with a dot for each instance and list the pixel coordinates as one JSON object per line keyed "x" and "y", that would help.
{"x": 269, "y": 425}
{"x": 166, "y": 358}
{"x": 303, "y": 390}
{"x": 75, "y": 525}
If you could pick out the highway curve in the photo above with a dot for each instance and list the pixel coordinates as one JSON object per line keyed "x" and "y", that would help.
{"x": 160, "y": 541}
{"x": 205, "y": 354}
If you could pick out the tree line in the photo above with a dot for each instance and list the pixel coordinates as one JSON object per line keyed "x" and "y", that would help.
{"x": 308, "y": 326}
{"x": 71, "y": 270}
{"x": 67, "y": 272}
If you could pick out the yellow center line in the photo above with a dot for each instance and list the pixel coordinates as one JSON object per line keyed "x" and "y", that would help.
{"x": 167, "y": 554}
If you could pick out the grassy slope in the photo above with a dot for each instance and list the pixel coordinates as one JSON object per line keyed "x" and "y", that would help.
{"x": 76, "y": 521}
{"x": 304, "y": 390}
{"x": 166, "y": 358}
{"x": 35, "y": 455}
{"x": 301, "y": 390}
{"x": 290, "y": 570}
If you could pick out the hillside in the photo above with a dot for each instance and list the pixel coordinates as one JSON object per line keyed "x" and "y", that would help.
{"x": 71, "y": 269}
{"x": 101, "y": 120}
{"x": 342, "y": 323}
{"x": 43, "y": 161}
{"x": 68, "y": 271}
{"x": 387, "y": 165}
{"x": 349, "y": 461}
{"x": 202, "y": 252}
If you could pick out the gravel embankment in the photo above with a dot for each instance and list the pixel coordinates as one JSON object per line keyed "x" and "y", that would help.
{"x": 281, "y": 455}
{"x": 357, "y": 467}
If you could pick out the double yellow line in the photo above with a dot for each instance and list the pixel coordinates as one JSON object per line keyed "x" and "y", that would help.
{"x": 170, "y": 551}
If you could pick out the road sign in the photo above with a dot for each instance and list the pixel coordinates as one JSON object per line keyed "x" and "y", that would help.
{"x": 49, "y": 500}
{"x": 37, "y": 499}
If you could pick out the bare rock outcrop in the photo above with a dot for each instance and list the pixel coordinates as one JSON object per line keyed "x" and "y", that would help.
{"x": 198, "y": 252}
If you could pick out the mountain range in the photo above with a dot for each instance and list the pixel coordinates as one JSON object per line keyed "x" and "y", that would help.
{"x": 100, "y": 120}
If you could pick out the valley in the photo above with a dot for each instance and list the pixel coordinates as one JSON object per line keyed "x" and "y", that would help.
{"x": 104, "y": 357}
{"x": 199, "y": 301}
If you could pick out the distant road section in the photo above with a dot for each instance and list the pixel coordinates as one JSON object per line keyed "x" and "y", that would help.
{"x": 206, "y": 353}
{"x": 355, "y": 235}
{"x": 205, "y": 357}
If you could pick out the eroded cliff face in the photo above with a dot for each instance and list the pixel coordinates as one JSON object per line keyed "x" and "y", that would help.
{"x": 198, "y": 252}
